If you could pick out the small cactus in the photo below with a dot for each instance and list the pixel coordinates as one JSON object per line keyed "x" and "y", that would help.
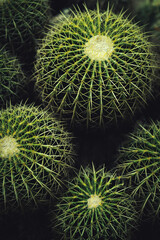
{"x": 11, "y": 77}
{"x": 94, "y": 67}
{"x": 139, "y": 162}
{"x": 95, "y": 207}
{"x": 35, "y": 152}
{"x": 22, "y": 19}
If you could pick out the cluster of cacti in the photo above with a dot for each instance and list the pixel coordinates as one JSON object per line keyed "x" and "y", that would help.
{"x": 139, "y": 164}
{"x": 11, "y": 76}
{"x": 95, "y": 207}
{"x": 35, "y": 152}
{"x": 94, "y": 67}
{"x": 21, "y": 19}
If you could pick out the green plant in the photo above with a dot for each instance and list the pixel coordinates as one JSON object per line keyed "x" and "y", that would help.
{"x": 35, "y": 153}
{"x": 139, "y": 162}
{"x": 22, "y": 19}
{"x": 94, "y": 67}
{"x": 148, "y": 14}
{"x": 11, "y": 77}
{"x": 95, "y": 206}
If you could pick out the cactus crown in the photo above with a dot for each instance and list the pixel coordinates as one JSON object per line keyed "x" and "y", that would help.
{"x": 94, "y": 201}
{"x": 8, "y": 147}
{"x": 99, "y": 48}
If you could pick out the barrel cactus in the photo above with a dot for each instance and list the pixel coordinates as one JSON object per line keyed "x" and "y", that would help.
{"x": 94, "y": 67}
{"x": 95, "y": 207}
{"x": 11, "y": 76}
{"x": 22, "y": 19}
{"x": 139, "y": 162}
{"x": 35, "y": 152}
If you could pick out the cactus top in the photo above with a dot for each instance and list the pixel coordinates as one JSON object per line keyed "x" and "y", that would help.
{"x": 99, "y": 48}
{"x": 94, "y": 201}
{"x": 8, "y": 147}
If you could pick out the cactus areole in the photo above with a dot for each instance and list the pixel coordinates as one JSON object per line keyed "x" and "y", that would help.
{"x": 99, "y": 48}
{"x": 94, "y": 201}
{"x": 8, "y": 147}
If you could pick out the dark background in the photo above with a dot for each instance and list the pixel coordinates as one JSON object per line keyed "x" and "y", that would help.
{"x": 97, "y": 145}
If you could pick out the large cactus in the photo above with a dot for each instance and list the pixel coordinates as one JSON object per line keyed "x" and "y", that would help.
{"x": 94, "y": 67}
{"x": 35, "y": 152}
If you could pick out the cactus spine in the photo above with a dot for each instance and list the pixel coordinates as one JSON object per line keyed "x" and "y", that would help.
{"x": 139, "y": 162}
{"x": 94, "y": 206}
{"x": 11, "y": 76}
{"x": 35, "y": 152}
{"x": 94, "y": 67}
{"x": 22, "y": 19}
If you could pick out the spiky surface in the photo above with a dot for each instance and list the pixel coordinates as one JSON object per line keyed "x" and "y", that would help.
{"x": 21, "y": 19}
{"x": 139, "y": 162}
{"x": 88, "y": 89}
{"x": 94, "y": 206}
{"x": 35, "y": 152}
{"x": 11, "y": 76}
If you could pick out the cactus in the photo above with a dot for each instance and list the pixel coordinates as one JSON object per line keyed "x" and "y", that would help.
{"x": 94, "y": 206}
{"x": 22, "y": 19}
{"x": 139, "y": 162}
{"x": 93, "y": 68}
{"x": 11, "y": 76}
{"x": 35, "y": 152}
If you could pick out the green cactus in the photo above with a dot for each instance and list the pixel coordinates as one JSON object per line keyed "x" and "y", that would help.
{"x": 94, "y": 206}
{"x": 139, "y": 162}
{"x": 94, "y": 67}
{"x": 11, "y": 77}
{"x": 35, "y": 152}
{"x": 22, "y": 19}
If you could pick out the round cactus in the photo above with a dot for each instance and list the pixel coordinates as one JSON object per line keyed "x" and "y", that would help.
{"x": 94, "y": 206}
{"x": 94, "y": 67}
{"x": 21, "y": 19}
{"x": 35, "y": 152}
{"x": 139, "y": 162}
{"x": 11, "y": 76}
